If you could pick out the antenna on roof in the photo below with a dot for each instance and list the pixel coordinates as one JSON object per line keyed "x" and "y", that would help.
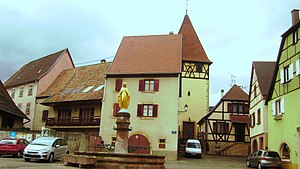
{"x": 233, "y": 79}
{"x": 186, "y": 6}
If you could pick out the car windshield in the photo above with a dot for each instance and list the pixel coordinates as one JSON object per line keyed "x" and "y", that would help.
{"x": 43, "y": 141}
{"x": 8, "y": 141}
{"x": 193, "y": 145}
{"x": 272, "y": 154}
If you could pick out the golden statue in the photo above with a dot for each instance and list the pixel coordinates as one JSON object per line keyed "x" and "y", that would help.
{"x": 124, "y": 98}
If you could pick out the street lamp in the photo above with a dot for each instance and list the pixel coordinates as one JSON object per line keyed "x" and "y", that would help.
{"x": 186, "y": 107}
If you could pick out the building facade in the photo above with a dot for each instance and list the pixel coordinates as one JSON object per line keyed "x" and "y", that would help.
{"x": 261, "y": 77}
{"x": 10, "y": 115}
{"x": 226, "y": 127}
{"x": 72, "y": 103}
{"x": 283, "y": 117}
{"x": 34, "y": 78}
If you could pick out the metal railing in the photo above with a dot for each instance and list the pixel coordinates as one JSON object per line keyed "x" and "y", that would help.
{"x": 73, "y": 121}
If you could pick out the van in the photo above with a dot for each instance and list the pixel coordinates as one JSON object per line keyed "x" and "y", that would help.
{"x": 193, "y": 148}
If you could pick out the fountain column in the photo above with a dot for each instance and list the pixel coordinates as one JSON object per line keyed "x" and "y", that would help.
{"x": 123, "y": 122}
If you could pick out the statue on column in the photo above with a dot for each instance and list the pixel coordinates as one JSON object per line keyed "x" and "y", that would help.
{"x": 124, "y": 98}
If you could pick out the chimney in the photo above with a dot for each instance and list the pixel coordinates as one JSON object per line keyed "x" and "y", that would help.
{"x": 171, "y": 33}
{"x": 222, "y": 93}
{"x": 295, "y": 16}
{"x": 103, "y": 61}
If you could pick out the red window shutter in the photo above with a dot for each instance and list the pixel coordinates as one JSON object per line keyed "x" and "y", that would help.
{"x": 155, "y": 110}
{"x": 156, "y": 85}
{"x": 140, "y": 110}
{"x": 118, "y": 84}
{"x": 141, "y": 85}
{"x": 229, "y": 108}
{"x": 116, "y": 109}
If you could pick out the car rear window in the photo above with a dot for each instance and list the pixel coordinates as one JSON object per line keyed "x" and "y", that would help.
{"x": 272, "y": 154}
{"x": 193, "y": 145}
{"x": 8, "y": 141}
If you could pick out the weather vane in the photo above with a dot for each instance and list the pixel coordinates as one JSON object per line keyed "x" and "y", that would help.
{"x": 186, "y": 6}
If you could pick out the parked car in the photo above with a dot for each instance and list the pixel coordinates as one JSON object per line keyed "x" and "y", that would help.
{"x": 193, "y": 148}
{"x": 264, "y": 159}
{"x": 46, "y": 148}
{"x": 13, "y": 146}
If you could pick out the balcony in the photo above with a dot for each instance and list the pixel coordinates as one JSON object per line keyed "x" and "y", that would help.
{"x": 73, "y": 121}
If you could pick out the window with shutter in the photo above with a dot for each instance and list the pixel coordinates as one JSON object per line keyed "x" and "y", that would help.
{"x": 258, "y": 117}
{"x": 291, "y": 71}
{"x": 149, "y": 85}
{"x": 118, "y": 84}
{"x": 147, "y": 110}
{"x": 297, "y": 66}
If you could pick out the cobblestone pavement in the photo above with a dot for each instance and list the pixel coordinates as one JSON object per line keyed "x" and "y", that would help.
{"x": 206, "y": 162}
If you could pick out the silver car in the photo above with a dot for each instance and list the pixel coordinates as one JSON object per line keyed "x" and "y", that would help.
{"x": 46, "y": 148}
{"x": 264, "y": 159}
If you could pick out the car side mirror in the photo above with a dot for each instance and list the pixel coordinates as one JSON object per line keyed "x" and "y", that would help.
{"x": 57, "y": 146}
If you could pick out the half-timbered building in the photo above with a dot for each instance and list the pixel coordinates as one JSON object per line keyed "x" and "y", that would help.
{"x": 261, "y": 77}
{"x": 226, "y": 127}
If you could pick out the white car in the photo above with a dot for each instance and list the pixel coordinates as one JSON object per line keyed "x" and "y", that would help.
{"x": 193, "y": 148}
{"x": 46, "y": 148}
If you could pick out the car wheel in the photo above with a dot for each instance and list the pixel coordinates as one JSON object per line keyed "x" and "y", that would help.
{"x": 259, "y": 166}
{"x": 19, "y": 154}
{"x": 51, "y": 157}
{"x": 248, "y": 163}
{"x": 27, "y": 159}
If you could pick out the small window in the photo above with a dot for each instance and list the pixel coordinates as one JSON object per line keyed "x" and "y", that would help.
{"x": 295, "y": 37}
{"x": 254, "y": 90}
{"x": 278, "y": 107}
{"x": 13, "y": 93}
{"x": 45, "y": 115}
{"x": 99, "y": 88}
{"x": 87, "y": 89}
{"x": 162, "y": 143}
{"x": 253, "y": 119}
{"x": 28, "y": 108}
{"x": 21, "y": 91}
{"x": 258, "y": 116}
{"x": 30, "y": 90}
{"x": 287, "y": 73}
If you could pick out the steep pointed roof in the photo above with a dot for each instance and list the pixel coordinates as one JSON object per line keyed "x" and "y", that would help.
{"x": 34, "y": 70}
{"x": 235, "y": 94}
{"x": 264, "y": 72}
{"x": 8, "y": 105}
{"x": 192, "y": 49}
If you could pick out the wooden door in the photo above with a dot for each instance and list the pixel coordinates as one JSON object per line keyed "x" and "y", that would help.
{"x": 239, "y": 132}
{"x": 188, "y": 130}
{"x": 138, "y": 143}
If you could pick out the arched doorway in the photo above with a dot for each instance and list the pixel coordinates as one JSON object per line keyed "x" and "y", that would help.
{"x": 138, "y": 143}
{"x": 254, "y": 146}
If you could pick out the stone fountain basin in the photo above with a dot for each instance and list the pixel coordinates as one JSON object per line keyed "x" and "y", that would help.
{"x": 110, "y": 160}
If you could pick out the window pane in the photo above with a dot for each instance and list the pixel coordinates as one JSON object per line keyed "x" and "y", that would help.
{"x": 146, "y": 85}
{"x": 152, "y": 85}
{"x": 145, "y": 110}
{"x": 150, "y": 112}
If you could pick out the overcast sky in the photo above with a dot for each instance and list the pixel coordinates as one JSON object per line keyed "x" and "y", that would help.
{"x": 233, "y": 33}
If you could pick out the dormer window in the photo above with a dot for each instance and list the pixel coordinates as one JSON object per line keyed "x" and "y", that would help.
{"x": 87, "y": 89}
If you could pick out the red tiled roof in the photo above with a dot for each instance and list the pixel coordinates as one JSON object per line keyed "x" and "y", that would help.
{"x": 71, "y": 83}
{"x": 236, "y": 93}
{"x": 156, "y": 54}
{"x": 192, "y": 48}
{"x": 264, "y": 72}
{"x": 8, "y": 105}
{"x": 240, "y": 118}
{"x": 34, "y": 70}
